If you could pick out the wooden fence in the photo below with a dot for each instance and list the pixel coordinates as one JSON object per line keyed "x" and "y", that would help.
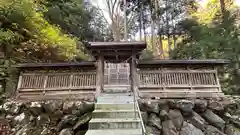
{"x": 163, "y": 78}
{"x": 178, "y": 82}
{"x": 57, "y": 83}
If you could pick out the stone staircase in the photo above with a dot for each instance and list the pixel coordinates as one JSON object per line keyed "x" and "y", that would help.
{"x": 114, "y": 115}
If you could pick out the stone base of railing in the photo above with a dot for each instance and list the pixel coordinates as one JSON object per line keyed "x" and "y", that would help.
{"x": 64, "y": 95}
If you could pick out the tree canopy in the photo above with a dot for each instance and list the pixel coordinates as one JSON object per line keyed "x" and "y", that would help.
{"x": 24, "y": 28}
{"x": 49, "y": 30}
{"x": 213, "y": 35}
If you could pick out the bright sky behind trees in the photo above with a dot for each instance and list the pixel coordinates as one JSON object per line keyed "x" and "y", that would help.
{"x": 102, "y": 5}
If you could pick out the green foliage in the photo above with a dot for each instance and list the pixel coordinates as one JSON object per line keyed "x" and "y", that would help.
{"x": 73, "y": 17}
{"x": 217, "y": 40}
{"x": 146, "y": 55}
{"x": 31, "y": 35}
{"x": 69, "y": 15}
{"x": 26, "y": 36}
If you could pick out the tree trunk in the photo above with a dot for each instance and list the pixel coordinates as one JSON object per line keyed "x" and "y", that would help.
{"x": 140, "y": 19}
{"x": 161, "y": 46}
{"x": 168, "y": 30}
{"x": 174, "y": 40}
{"x": 152, "y": 30}
{"x": 144, "y": 28}
{"x": 159, "y": 41}
{"x": 117, "y": 30}
{"x": 169, "y": 42}
{"x": 222, "y": 5}
{"x": 125, "y": 21}
{"x": 152, "y": 38}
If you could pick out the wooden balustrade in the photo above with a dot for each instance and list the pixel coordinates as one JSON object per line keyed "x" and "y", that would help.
{"x": 154, "y": 82}
{"x": 57, "y": 83}
{"x": 180, "y": 78}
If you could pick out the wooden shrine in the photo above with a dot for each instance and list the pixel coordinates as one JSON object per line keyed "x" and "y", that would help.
{"x": 116, "y": 52}
{"x": 154, "y": 78}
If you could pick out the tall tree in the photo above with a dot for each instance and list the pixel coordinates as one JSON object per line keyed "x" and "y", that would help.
{"x": 163, "y": 18}
{"x": 222, "y": 5}
{"x": 31, "y": 36}
{"x": 77, "y": 18}
{"x": 217, "y": 39}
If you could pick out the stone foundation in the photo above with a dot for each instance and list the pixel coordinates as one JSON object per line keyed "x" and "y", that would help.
{"x": 191, "y": 117}
{"x": 45, "y": 117}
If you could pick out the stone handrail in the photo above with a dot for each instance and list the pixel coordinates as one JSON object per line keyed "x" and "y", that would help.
{"x": 136, "y": 108}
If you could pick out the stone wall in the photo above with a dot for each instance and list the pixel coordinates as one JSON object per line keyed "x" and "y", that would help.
{"x": 191, "y": 117}
{"x": 45, "y": 117}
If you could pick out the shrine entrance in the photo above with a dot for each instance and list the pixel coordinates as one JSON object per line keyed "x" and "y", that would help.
{"x": 116, "y": 74}
{"x": 116, "y": 64}
{"x": 116, "y": 77}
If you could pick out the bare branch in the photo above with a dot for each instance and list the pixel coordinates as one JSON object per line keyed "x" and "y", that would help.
{"x": 113, "y": 6}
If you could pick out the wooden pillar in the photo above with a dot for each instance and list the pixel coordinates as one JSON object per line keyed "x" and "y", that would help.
{"x": 133, "y": 73}
{"x": 217, "y": 80}
{"x": 100, "y": 75}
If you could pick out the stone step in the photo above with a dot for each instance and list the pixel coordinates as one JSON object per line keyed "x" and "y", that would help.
{"x": 115, "y": 132}
{"x": 120, "y": 106}
{"x": 109, "y": 95}
{"x": 115, "y": 114}
{"x": 113, "y": 98}
{"x": 119, "y": 98}
{"x": 120, "y": 94}
{"x": 130, "y": 123}
{"x": 114, "y": 101}
{"x": 116, "y": 90}
{"x": 117, "y": 87}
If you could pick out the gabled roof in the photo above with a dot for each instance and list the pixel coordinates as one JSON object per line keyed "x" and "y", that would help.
{"x": 116, "y": 51}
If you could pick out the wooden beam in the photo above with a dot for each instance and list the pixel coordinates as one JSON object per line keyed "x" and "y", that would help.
{"x": 218, "y": 82}
{"x": 74, "y": 95}
{"x": 57, "y": 89}
{"x": 133, "y": 72}
{"x": 149, "y": 86}
{"x": 176, "y": 71}
{"x": 168, "y": 94}
{"x": 100, "y": 74}
{"x": 19, "y": 83}
{"x": 114, "y": 52}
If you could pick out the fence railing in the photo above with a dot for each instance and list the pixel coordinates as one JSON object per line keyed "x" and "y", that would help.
{"x": 179, "y": 83}
{"x": 178, "y": 78}
{"x": 57, "y": 83}
{"x": 51, "y": 81}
